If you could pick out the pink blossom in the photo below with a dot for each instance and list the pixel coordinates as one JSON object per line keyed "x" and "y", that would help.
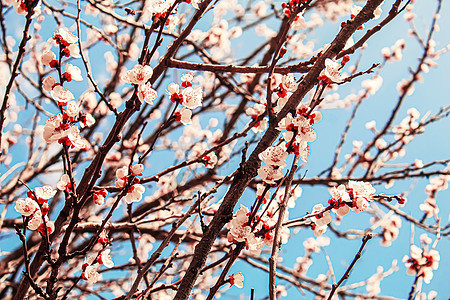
{"x": 137, "y": 169}
{"x": 173, "y": 88}
{"x": 237, "y": 280}
{"x": 99, "y": 199}
{"x": 319, "y": 230}
{"x": 390, "y": 227}
{"x": 339, "y": 200}
{"x": 254, "y": 245}
{"x": 134, "y": 193}
{"x": 146, "y": 93}
{"x": 187, "y": 77}
{"x": 260, "y": 126}
{"x": 138, "y": 75}
{"x": 26, "y": 206}
{"x": 301, "y": 149}
{"x": 323, "y": 218}
{"x": 274, "y": 156}
{"x": 255, "y": 111}
{"x": 269, "y": 174}
{"x": 47, "y": 57}
{"x": 20, "y": 7}
{"x": 49, "y": 83}
{"x": 259, "y": 191}
{"x": 105, "y": 258}
{"x": 210, "y": 160}
{"x": 405, "y": 87}
{"x": 68, "y": 36}
{"x": 360, "y": 204}
{"x": 61, "y": 95}
{"x": 331, "y": 72}
{"x": 74, "y": 51}
{"x": 288, "y": 83}
{"x": 91, "y": 274}
{"x": 75, "y": 72}
{"x": 430, "y": 207}
{"x": 121, "y": 172}
{"x": 239, "y": 230}
{"x": 46, "y": 192}
{"x": 88, "y": 121}
{"x": 159, "y": 7}
{"x": 372, "y": 85}
{"x": 184, "y": 116}
{"x": 422, "y": 262}
{"x": 72, "y": 109}
{"x": 73, "y": 135}
{"x": 49, "y": 224}
{"x": 304, "y": 129}
{"x": 52, "y": 129}
{"x": 63, "y": 183}
{"x": 35, "y": 221}
{"x": 285, "y": 122}
{"x": 192, "y": 98}
{"x": 299, "y": 23}
{"x": 361, "y": 194}
{"x": 121, "y": 175}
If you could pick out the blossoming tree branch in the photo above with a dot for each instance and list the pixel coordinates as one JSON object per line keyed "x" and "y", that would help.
{"x": 169, "y": 149}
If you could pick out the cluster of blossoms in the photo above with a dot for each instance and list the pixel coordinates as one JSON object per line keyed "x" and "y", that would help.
{"x": 275, "y": 158}
{"x": 395, "y": 52}
{"x": 159, "y": 8}
{"x": 422, "y": 261}
{"x": 90, "y": 270}
{"x": 299, "y": 132}
{"x": 374, "y": 282}
{"x": 404, "y": 132}
{"x": 290, "y": 6}
{"x": 140, "y": 75}
{"x": 198, "y": 141}
{"x": 391, "y": 228}
{"x": 99, "y": 196}
{"x": 408, "y": 127}
{"x": 259, "y": 231}
{"x": 255, "y": 111}
{"x": 35, "y": 208}
{"x": 331, "y": 73}
{"x": 312, "y": 245}
{"x": 135, "y": 191}
{"x": 240, "y": 231}
{"x": 61, "y": 128}
{"x": 254, "y": 237}
{"x": 438, "y": 183}
{"x": 218, "y": 38}
{"x": 356, "y": 197}
{"x": 189, "y": 97}
{"x": 283, "y": 86}
{"x": 67, "y": 43}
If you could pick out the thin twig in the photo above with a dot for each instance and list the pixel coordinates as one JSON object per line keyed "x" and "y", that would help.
{"x": 334, "y": 287}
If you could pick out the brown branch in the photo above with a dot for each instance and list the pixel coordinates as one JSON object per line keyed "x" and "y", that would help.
{"x": 297, "y": 68}
{"x": 334, "y": 287}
